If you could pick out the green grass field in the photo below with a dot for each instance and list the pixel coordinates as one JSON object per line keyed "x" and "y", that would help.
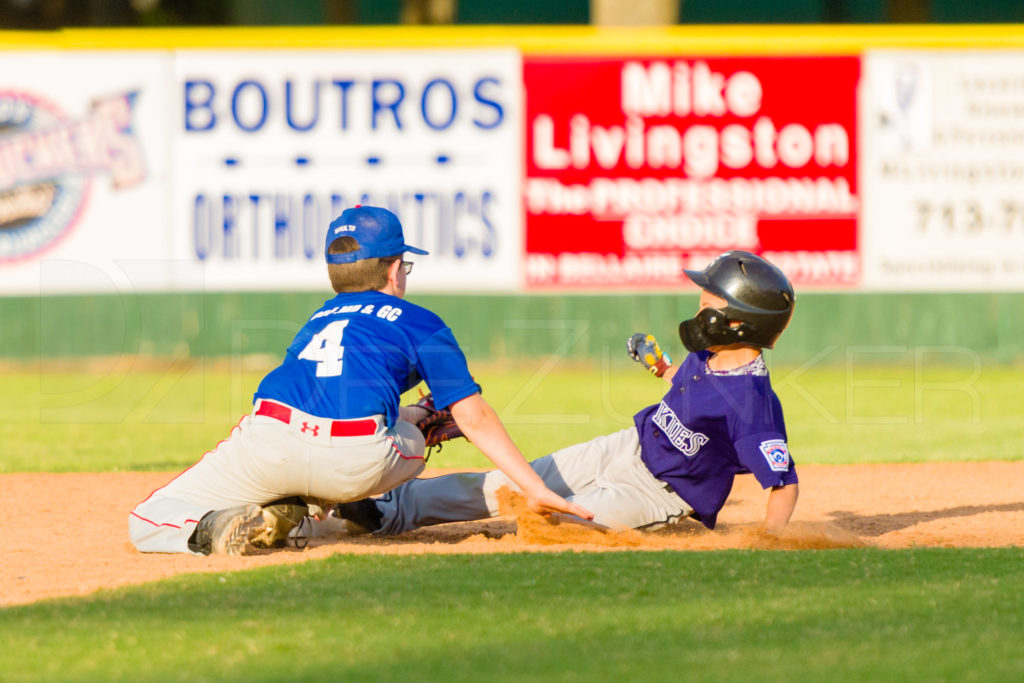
{"x": 837, "y": 615}
{"x": 850, "y": 615}
{"x": 124, "y": 417}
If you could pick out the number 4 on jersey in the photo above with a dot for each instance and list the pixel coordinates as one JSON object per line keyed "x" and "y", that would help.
{"x": 325, "y": 349}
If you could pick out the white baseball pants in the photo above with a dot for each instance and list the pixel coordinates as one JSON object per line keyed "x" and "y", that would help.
{"x": 265, "y": 459}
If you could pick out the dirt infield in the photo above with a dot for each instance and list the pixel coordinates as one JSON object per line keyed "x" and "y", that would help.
{"x": 67, "y": 534}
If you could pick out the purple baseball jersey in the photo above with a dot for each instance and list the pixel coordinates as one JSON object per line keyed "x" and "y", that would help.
{"x": 710, "y": 427}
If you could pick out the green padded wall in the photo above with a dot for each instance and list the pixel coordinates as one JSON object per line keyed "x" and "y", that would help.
{"x": 507, "y": 326}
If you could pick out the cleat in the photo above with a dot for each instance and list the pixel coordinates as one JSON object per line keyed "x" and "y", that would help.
{"x": 361, "y": 516}
{"x": 228, "y": 532}
{"x": 281, "y": 519}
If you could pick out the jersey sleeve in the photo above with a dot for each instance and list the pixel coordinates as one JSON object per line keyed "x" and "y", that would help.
{"x": 442, "y": 365}
{"x": 763, "y": 447}
{"x": 766, "y": 455}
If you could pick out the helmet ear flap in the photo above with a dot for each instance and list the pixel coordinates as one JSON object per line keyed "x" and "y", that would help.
{"x": 741, "y": 332}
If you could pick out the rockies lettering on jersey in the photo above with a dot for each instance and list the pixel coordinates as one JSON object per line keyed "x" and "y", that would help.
{"x": 686, "y": 441}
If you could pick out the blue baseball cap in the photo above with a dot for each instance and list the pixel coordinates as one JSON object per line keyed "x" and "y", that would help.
{"x": 377, "y": 230}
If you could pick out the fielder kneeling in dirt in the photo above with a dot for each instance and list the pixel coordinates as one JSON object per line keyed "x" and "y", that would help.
{"x": 326, "y": 424}
{"x": 719, "y": 419}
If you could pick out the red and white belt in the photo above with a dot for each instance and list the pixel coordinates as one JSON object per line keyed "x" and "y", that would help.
{"x": 316, "y": 426}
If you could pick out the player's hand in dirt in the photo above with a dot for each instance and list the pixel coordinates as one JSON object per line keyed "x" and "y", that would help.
{"x": 546, "y": 502}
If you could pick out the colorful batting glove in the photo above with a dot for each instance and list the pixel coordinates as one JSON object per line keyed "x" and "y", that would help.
{"x": 644, "y": 349}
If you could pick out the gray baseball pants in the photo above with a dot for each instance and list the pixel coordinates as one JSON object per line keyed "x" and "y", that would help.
{"x": 604, "y": 475}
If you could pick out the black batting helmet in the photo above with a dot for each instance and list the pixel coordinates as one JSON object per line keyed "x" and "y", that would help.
{"x": 759, "y": 298}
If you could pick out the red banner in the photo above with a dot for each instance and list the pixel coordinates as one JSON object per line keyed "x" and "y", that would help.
{"x": 637, "y": 168}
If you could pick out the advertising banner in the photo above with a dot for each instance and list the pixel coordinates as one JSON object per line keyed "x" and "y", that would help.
{"x": 270, "y": 146}
{"x": 83, "y": 172}
{"x": 637, "y": 168}
{"x": 183, "y": 169}
{"x": 943, "y": 170}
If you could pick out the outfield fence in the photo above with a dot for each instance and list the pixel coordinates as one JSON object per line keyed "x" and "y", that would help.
{"x": 880, "y": 328}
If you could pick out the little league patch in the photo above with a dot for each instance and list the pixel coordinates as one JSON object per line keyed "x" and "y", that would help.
{"x": 776, "y": 453}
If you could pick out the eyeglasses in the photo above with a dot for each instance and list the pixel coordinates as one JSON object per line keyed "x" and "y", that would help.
{"x": 407, "y": 267}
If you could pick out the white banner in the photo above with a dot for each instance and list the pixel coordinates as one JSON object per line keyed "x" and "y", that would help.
{"x": 145, "y": 171}
{"x": 271, "y": 146}
{"x": 83, "y": 172}
{"x": 942, "y": 171}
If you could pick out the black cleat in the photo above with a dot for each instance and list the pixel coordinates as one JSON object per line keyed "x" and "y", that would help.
{"x": 361, "y": 516}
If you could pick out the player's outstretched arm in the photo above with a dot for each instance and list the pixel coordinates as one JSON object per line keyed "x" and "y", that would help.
{"x": 781, "y": 503}
{"x": 644, "y": 349}
{"x": 481, "y": 425}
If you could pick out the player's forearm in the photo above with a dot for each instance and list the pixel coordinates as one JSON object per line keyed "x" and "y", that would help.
{"x": 507, "y": 458}
{"x": 781, "y": 503}
{"x": 481, "y": 425}
{"x": 670, "y": 372}
{"x": 494, "y": 442}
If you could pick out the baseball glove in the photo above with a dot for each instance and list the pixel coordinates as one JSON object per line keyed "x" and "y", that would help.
{"x": 644, "y": 349}
{"x": 437, "y": 426}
